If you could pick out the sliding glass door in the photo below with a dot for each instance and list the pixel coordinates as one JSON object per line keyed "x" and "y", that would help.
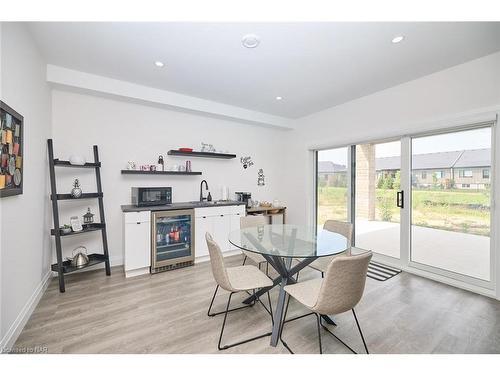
{"x": 451, "y": 201}
{"x": 422, "y": 202}
{"x": 332, "y": 185}
{"x": 377, "y": 187}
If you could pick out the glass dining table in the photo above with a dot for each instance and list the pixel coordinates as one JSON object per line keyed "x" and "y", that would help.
{"x": 279, "y": 244}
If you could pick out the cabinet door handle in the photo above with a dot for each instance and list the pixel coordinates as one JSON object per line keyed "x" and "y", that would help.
{"x": 138, "y": 222}
{"x": 204, "y": 217}
{"x": 221, "y": 215}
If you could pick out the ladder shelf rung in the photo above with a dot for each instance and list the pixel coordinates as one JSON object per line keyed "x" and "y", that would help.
{"x": 61, "y": 197}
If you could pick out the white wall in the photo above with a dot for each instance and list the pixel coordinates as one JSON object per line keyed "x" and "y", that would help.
{"x": 404, "y": 109}
{"x": 129, "y": 131}
{"x": 25, "y": 245}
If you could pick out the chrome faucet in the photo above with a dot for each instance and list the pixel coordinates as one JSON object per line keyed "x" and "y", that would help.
{"x": 201, "y": 190}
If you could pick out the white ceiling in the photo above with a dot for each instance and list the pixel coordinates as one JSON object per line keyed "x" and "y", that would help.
{"x": 313, "y": 66}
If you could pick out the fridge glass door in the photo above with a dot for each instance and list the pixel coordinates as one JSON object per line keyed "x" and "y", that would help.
{"x": 172, "y": 237}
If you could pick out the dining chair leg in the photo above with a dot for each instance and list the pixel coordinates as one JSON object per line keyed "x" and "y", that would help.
{"x": 286, "y": 308}
{"x": 224, "y": 324}
{"x": 270, "y": 307}
{"x": 244, "y": 260}
{"x": 224, "y": 321}
{"x": 212, "y": 302}
{"x": 222, "y": 312}
{"x": 288, "y": 321}
{"x": 338, "y": 339}
{"x": 322, "y": 275}
{"x": 318, "y": 324}
{"x": 360, "y": 332}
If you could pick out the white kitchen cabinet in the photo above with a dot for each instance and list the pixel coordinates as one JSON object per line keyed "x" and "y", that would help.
{"x": 219, "y": 222}
{"x": 222, "y": 227}
{"x": 137, "y": 242}
{"x": 202, "y": 225}
{"x": 236, "y": 213}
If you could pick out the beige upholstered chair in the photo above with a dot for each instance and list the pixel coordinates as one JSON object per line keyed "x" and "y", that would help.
{"x": 345, "y": 229}
{"x": 339, "y": 291}
{"x": 254, "y": 221}
{"x": 235, "y": 279}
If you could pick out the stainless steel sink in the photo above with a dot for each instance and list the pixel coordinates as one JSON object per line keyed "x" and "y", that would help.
{"x": 205, "y": 203}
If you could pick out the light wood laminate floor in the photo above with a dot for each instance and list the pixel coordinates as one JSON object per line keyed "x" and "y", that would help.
{"x": 166, "y": 313}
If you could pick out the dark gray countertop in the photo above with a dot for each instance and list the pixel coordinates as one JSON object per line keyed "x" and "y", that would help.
{"x": 179, "y": 206}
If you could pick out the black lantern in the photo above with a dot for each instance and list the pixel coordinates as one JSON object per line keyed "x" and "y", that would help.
{"x": 88, "y": 218}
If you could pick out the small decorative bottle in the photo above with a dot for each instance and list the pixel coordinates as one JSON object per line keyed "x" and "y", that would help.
{"x": 161, "y": 163}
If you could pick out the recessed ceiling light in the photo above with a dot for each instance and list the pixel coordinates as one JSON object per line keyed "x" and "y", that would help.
{"x": 159, "y": 64}
{"x": 279, "y": 97}
{"x": 250, "y": 40}
{"x": 398, "y": 39}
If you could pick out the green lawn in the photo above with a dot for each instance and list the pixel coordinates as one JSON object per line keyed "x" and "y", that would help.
{"x": 465, "y": 211}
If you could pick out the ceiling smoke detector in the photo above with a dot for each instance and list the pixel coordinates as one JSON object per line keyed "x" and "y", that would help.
{"x": 250, "y": 41}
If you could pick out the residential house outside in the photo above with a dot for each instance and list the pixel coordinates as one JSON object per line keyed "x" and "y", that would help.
{"x": 469, "y": 169}
{"x": 332, "y": 174}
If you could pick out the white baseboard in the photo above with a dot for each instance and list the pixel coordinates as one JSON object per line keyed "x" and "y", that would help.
{"x": 137, "y": 272}
{"x": 15, "y": 329}
{"x": 206, "y": 258}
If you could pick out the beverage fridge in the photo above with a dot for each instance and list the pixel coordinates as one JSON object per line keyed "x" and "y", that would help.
{"x": 172, "y": 240}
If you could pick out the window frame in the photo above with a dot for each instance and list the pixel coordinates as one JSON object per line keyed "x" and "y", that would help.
{"x": 461, "y": 173}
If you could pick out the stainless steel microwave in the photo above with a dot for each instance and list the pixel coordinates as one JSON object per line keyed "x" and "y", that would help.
{"x": 151, "y": 196}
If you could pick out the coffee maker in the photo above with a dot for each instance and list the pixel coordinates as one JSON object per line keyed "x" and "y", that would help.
{"x": 242, "y": 196}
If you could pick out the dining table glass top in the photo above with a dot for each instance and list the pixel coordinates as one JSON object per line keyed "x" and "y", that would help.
{"x": 289, "y": 241}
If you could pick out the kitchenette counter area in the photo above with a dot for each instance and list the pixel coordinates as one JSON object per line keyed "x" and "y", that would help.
{"x": 168, "y": 236}
{"x": 180, "y": 206}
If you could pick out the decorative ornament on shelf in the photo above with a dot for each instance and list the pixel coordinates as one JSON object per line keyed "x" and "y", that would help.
{"x": 76, "y": 224}
{"x": 81, "y": 258}
{"x": 161, "y": 163}
{"x": 88, "y": 218}
{"x": 207, "y": 147}
{"x": 260, "y": 177}
{"x": 76, "y": 192}
{"x": 65, "y": 229}
{"x": 246, "y": 161}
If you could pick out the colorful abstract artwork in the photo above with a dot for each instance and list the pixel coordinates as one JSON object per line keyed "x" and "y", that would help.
{"x": 11, "y": 160}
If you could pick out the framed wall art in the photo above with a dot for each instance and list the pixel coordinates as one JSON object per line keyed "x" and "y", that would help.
{"x": 11, "y": 167}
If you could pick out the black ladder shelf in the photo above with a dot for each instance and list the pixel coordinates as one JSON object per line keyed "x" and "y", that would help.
{"x": 64, "y": 267}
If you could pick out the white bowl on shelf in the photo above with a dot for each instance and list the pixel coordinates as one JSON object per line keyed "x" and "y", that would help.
{"x": 77, "y": 160}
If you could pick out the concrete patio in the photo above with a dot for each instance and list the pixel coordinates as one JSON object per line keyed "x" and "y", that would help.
{"x": 462, "y": 253}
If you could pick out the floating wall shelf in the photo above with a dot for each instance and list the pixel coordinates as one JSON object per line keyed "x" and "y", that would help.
{"x": 131, "y": 171}
{"x": 199, "y": 154}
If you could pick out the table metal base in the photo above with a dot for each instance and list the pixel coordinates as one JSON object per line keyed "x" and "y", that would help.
{"x": 286, "y": 276}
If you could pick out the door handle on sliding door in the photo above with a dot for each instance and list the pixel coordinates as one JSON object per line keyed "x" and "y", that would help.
{"x": 400, "y": 199}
